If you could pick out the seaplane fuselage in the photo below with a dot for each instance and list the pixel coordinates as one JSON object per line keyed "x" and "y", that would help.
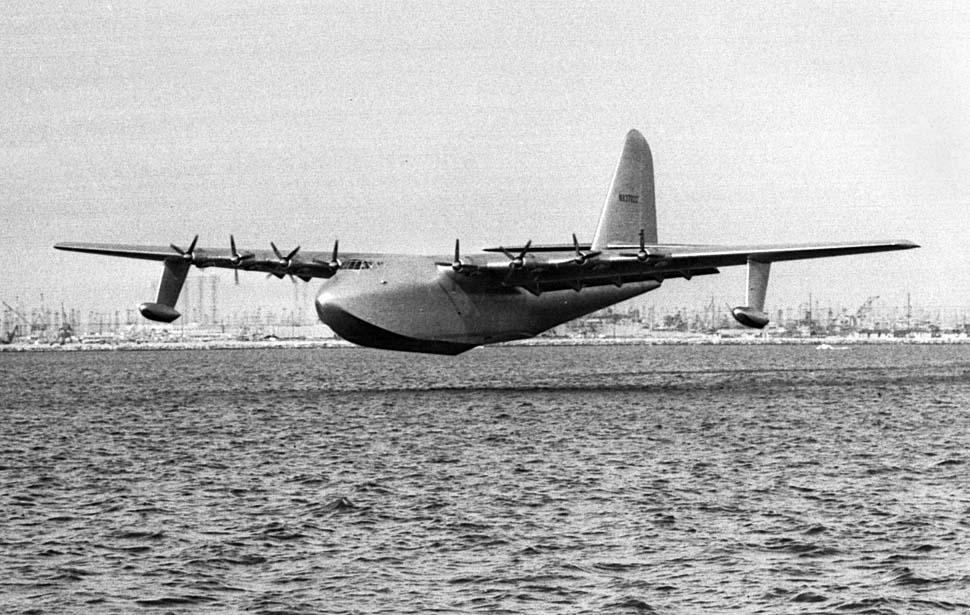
{"x": 414, "y": 303}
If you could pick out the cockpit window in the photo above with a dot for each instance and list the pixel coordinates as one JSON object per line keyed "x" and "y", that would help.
{"x": 357, "y": 263}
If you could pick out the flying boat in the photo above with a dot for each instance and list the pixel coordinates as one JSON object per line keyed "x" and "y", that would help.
{"x": 450, "y": 304}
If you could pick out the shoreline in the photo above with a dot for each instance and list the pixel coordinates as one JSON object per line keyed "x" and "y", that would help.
{"x": 821, "y": 343}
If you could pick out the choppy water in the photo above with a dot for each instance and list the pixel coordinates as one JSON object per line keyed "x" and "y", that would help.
{"x": 518, "y": 480}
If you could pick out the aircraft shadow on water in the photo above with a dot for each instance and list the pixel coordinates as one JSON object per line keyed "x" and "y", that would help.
{"x": 448, "y": 305}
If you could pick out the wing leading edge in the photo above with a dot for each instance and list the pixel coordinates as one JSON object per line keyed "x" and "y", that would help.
{"x": 727, "y": 256}
{"x": 304, "y": 265}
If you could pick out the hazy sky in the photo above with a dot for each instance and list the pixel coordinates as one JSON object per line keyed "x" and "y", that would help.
{"x": 400, "y": 126}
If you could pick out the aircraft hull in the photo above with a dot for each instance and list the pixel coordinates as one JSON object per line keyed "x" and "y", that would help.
{"x": 414, "y": 305}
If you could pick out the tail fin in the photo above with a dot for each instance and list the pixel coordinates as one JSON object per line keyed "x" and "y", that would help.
{"x": 630, "y": 204}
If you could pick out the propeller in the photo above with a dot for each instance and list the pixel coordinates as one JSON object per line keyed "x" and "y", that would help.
{"x": 334, "y": 263}
{"x": 516, "y": 262}
{"x": 643, "y": 254}
{"x": 188, "y": 254}
{"x": 285, "y": 261}
{"x": 583, "y": 257}
{"x": 236, "y": 258}
{"x": 457, "y": 265}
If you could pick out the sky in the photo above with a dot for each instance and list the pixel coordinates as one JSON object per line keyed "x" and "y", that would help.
{"x": 400, "y": 126}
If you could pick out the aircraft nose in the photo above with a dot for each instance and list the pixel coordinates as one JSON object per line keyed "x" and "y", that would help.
{"x": 333, "y": 312}
{"x": 332, "y": 309}
{"x": 325, "y": 304}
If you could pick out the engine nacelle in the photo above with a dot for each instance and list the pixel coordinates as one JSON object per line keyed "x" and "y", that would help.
{"x": 750, "y": 317}
{"x": 158, "y": 312}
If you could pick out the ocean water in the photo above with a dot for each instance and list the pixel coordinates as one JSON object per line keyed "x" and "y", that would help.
{"x": 672, "y": 479}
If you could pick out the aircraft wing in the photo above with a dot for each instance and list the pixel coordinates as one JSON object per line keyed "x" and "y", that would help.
{"x": 148, "y": 253}
{"x": 537, "y": 269}
{"x": 688, "y": 256}
{"x": 305, "y": 265}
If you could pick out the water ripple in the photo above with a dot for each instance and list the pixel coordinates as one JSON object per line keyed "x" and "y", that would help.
{"x": 585, "y": 480}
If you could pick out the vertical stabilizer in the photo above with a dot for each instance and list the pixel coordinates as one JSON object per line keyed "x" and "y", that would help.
{"x": 630, "y": 204}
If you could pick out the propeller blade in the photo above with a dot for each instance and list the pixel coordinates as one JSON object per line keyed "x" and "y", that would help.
{"x": 234, "y": 255}
{"x": 457, "y": 264}
{"x": 292, "y": 253}
{"x": 580, "y": 257}
{"x": 235, "y": 274}
{"x": 276, "y": 250}
{"x": 335, "y": 260}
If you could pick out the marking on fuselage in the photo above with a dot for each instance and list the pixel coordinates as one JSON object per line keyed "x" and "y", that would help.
{"x": 629, "y": 198}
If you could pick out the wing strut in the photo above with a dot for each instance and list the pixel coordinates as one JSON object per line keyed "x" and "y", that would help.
{"x": 173, "y": 277}
{"x": 753, "y": 314}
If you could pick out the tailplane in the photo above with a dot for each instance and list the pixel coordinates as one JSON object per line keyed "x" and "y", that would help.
{"x": 630, "y": 204}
